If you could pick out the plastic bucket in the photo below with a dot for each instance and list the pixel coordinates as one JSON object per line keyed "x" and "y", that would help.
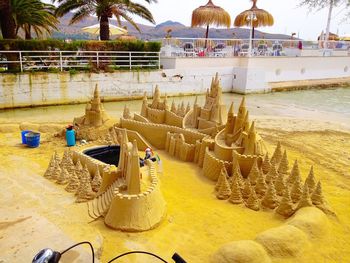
{"x": 32, "y": 139}
{"x": 23, "y": 134}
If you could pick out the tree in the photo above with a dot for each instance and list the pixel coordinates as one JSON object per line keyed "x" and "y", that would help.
{"x": 320, "y": 4}
{"x": 7, "y": 23}
{"x": 33, "y": 15}
{"x": 105, "y": 9}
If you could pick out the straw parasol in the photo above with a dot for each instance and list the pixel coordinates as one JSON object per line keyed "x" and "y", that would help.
{"x": 210, "y": 14}
{"x": 263, "y": 18}
{"x": 113, "y": 30}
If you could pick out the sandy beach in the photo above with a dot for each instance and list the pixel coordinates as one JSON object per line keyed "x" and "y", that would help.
{"x": 196, "y": 224}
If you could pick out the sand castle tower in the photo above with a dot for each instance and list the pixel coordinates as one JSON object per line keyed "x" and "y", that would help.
{"x": 156, "y": 98}
{"x": 238, "y": 175}
{"x": 125, "y": 147}
{"x": 277, "y": 155}
{"x": 84, "y": 192}
{"x": 246, "y": 192}
{"x": 266, "y": 164}
{"x": 310, "y": 180}
{"x": 96, "y": 181}
{"x": 296, "y": 191}
{"x": 50, "y": 169}
{"x": 64, "y": 177}
{"x": 317, "y": 196}
{"x": 294, "y": 174}
{"x": 224, "y": 191}
{"x": 56, "y": 172}
{"x": 305, "y": 198}
{"x": 73, "y": 183}
{"x": 286, "y": 206}
{"x": 254, "y": 173}
{"x": 272, "y": 175}
{"x": 78, "y": 169}
{"x": 236, "y": 195}
{"x": 253, "y": 201}
{"x": 270, "y": 199}
{"x": 57, "y": 157}
{"x": 261, "y": 186}
{"x": 284, "y": 165}
{"x": 223, "y": 173}
{"x": 281, "y": 185}
{"x": 133, "y": 181}
{"x": 126, "y": 112}
{"x": 173, "y": 107}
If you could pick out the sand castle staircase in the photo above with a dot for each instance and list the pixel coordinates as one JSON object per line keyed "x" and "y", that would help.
{"x": 100, "y": 205}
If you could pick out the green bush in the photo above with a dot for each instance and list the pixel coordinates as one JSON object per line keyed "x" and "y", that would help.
{"x": 52, "y": 44}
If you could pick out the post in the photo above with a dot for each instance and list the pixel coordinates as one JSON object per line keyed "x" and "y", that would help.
{"x": 20, "y": 61}
{"x": 158, "y": 60}
{"x": 97, "y": 60}
{"x": 250, "y": 35}
{"x": 130, "y": 61}
{"x": 61, "y": 65}
{"x": 331, "y": 3}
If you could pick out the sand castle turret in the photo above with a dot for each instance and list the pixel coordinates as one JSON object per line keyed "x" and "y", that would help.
{"x": 294, "y": 174}
{"x": 57, "y": 157}
{"x": 286, "y": 206}
{"x": 277, "y": 155}
{"x": 78, "y": 169}
{"x": 50, "y": 169}
{"x": 133, "y": 181}
{"x": 96, "y": 181}
{"x": 56, "y": 172}
{"x": 126, "y": 113}
{"x": 236, "y": 195}
{"x": 296, "y": 191}
{"x": 224, "y": 191}
{"x": 237, "y": 174}
{"x": 284, "y": 165}
{"x": 240, "y": 119}
{"x": 223, "y": 173}
{"x": 266, "y": 164}
{"x": 272, "y": 175}
{"x": 173, "y": 107}
{"x": 281, "y": 185}
{"x": 156, "y": 98}
{"x": 310, "y": 180}
{"x": 305, "y": 198}
{"x": 254, "y": 173}
{"x": 84, "y": 192}
{"x": 317, "y": 196}
{"x": 188, "y": 108}
{"x": 230, "y": 121}
{"x": 270, "y": 199}
{"x": 253, "y": 201}
{"x": 144, "y": 105}
{"x": 64, "y": 177}
{"x": 250, "y": 145}
{"x": 260, "y": 187}
{"x": 73, "y": 183}
{"x": 246, "y": 190}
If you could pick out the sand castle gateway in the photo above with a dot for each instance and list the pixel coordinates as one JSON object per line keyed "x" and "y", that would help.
{"x": 226, "y": 145}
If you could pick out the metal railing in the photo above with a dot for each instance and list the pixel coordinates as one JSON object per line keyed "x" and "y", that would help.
{"x": 62, "y": 60}
{"x": 213, "y": 47}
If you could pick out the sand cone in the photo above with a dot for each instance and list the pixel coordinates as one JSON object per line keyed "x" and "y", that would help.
{"x": 73, "y": 183}
{"x": 281, "y": 185}
{"x": 284, "y": 165}
{"x": 253, "y": 201}
{"x": 272, "y": 175}
{"x": 305, "y": 200}
{"x": 261, "y": 186}
{"x": 254, "y": 173}
{"x": 277, "y": 155}
{"x": 270, "y": 199}
{"x": 57, "y": 157}
{"x": 223, "y": 173}
{"x": 266, "y": 164}
{"x": 237, "y": 174}
{"x": 310, "y": 180}
{"x": 96, "y": 182}
{"x": 67, "y": 162}
{"x": 317, "y": 197}
{"x": 294, "y": 174}
{"x": 286, "y": 206}
{"x": 296, "y": 191}
{"x": 56, "y": 172}
{"x": 224, "y": 191}
{"x": 236, "y": 195}
{"x": 50, "y": 168}
{"x": 78, "y": 169}
{"x": 246, "y": 190}
{"x": 84, "y": 192}
{"x": 63, "y": 178}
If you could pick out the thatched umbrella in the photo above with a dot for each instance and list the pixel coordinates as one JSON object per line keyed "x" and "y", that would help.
{"x": 210, "y": 14}
{"x": 263, "y": 18}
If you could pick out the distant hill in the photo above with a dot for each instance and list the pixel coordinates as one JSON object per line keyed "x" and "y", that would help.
{"x": 155, "y": 32}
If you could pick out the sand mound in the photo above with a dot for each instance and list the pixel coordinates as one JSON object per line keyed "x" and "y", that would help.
{"x": 8, "y": 128}
{"x": 311, "y": 220}
{"x": 51, "y": 128}
{"x": 244, "y": 251}
{"x": 29, "y": 126}
{"x": 283, "y": 241}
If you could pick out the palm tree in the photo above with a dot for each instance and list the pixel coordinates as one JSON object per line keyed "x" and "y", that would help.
{"x": 7, "y": 24}
{"x": 33, "y": 15}
{"x": 105, "y": 9}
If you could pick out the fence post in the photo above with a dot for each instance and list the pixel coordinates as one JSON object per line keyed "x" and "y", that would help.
{"x": 20, "y": 61}
{"x": 97, "y": 60}
{"x": 130, "y": 61}
{"x": 61, "y": 65}
{"x": 158, "y": 60}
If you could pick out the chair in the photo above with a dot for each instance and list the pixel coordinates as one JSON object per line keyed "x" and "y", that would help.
{"x": 277, "y": 49}
{"x": 244, "y": 50}
{"x": 262, "y": 50}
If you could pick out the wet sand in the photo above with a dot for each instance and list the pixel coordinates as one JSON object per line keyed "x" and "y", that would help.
{"x": 197, "y": 224}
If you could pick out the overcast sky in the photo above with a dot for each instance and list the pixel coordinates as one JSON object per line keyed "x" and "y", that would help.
{"x": 288, "y": 17}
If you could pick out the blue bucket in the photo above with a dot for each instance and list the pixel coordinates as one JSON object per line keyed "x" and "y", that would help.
{"x": 32, "y": 139}
{"x": 23, "y": 134}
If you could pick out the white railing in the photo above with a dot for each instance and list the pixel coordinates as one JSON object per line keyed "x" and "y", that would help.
{"x": 213, "y": 47}
{"x": 61, "y": 60}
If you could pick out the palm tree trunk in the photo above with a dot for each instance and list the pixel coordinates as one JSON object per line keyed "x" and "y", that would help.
{"x": 28, "y": 34}
{"x": 331, "y": 4}
{"x": 104, "y": 28}
{"x": 7, "y": 23}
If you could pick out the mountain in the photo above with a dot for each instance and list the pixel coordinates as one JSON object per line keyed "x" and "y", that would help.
{"x": 155, "y": 32}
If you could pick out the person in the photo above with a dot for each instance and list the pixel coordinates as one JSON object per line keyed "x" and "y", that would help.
{"x": 149, "y": 155}
{"x": 300, "y": 45}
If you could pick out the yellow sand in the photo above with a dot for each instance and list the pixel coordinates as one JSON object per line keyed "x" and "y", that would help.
{"x": 197, "y": 224}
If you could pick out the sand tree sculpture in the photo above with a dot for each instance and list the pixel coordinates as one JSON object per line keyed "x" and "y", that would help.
{"x": 254, "y": 16}
{"x": 210, "y": 14}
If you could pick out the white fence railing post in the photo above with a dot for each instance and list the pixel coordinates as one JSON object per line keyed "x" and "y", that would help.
{"x": 61, "y": 64}
{"x": 97, "y": 60}
{"x": 130, "y": 65}
{"x": 20, "y": 61}
{"x": 158, "y": 60}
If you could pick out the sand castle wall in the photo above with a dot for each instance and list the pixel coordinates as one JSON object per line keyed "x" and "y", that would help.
{"x": 212, "y": 165}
